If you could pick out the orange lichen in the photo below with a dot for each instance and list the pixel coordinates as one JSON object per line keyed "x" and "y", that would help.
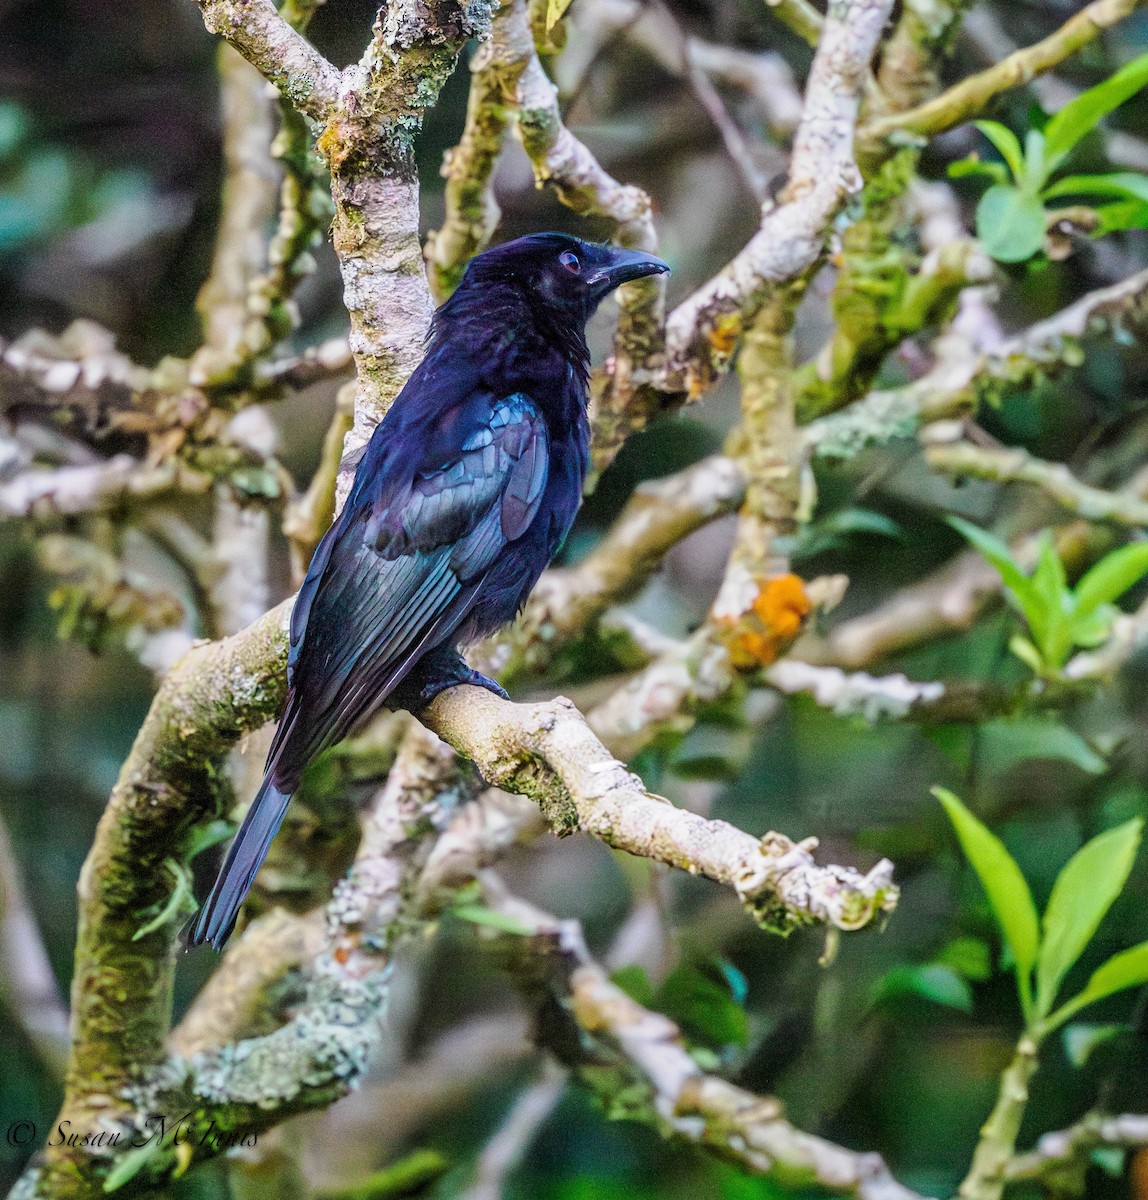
{"x": 726, "y": 331}
{"x": 782, "y": 605}
{"x": 776, "y": 617}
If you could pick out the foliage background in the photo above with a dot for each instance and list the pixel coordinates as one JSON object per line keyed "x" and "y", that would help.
{"x": 109, "y": 183}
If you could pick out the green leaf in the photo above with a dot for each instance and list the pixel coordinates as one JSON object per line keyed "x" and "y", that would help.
{"x": 1004, "y": 885}
{"x": 1028, "y": 654}
{"x": 861, "y": 520}
{"x": 181, "y": 900}
{"x": 1093, "y": 628}
{"x": 1110, "y": 578}
{"x": 410, "y": 1176}
{"x": 1000, "y": 556}
{"x": 1005, "y": 742}
{"x": 1035, "y": 169}
{"x": 1010, "y": 224}
{"x": 131, "y": 1164}
{"x": 1127, "y": 969}
{"x": 1081, "y": 1039}
{"x": 634, "y": 981}
{"x": 256, "y": 481}
{"x": 479, "y": 914}
{"x": 1121, "y": 184}
{"x": 1122, "y": 214}
{"x": 934, "y": 982}
{"x": 203, "y": 837}
{"x": 1084, "y": 891}
{"x": 699, "y": 996}
{"x": 1049, "y": 620}
{"x": 555, "y": 11}
{"x": 968, "y": 167}
{"x": 968, "y": 956}
{"x": 1079, "y": 116}
{"x": 1006, "y": 143}
{"x": 1110, "y": 1159}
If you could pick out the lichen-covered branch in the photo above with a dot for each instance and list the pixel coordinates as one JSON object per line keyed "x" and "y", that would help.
{"x": 279, "y": 52}
{"x": 563, "y": 162}
{"x": 962, "y": 379}
{"x": 471, "y": 210}
{"x": 42, "y": 493}
{"x": 79, "y": 377}
{"x": 248, "y": 202}
{"x": 884, "y": 292}
{"x": 663, "y": 1080}
{"x": 121, "y": 990}
{"x": 702, "y": 332}
{"x": 947, "y": 601}
{"x": 1060, "y": 1159}
{"x": 548, "y": 752}
{"x": 1015, "y": 465}
{"x": 969, "y": 98}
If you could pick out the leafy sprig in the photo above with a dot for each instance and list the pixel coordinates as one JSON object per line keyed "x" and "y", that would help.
{"x": 1012, "y": 215}
{"x": 1060, "y": 618}
{"x": 1044, "y": 950}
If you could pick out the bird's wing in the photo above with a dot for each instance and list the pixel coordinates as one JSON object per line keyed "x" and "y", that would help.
{"x": 402, "y": 566}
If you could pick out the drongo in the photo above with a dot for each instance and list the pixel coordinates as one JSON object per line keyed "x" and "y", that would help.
{"x": 463, "y": 495}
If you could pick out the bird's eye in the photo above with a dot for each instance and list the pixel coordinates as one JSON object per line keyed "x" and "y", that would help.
{"x": 570, "y": 261}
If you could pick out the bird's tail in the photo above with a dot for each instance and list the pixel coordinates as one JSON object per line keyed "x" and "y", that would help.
{"x": 217, "y": 915}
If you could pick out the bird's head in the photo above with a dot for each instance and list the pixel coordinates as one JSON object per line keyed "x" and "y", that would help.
{"x": 560, "y": 271}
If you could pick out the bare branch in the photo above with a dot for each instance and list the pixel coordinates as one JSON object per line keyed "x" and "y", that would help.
{"x": 702, "y": 1108}
{"x": 506, "y": 1149}
{"x": 1060, "y": 1159}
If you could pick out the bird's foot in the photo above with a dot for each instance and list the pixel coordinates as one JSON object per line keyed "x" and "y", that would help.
{"x": 434, "y": 673}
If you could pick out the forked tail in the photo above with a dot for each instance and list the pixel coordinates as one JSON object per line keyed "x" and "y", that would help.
{"x": 217, "y": 915}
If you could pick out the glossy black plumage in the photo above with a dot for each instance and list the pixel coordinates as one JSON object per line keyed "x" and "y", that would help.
{"x": 463, "y": 495}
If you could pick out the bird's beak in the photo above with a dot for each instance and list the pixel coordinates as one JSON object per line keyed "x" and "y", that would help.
{"x": 624, "y": 266}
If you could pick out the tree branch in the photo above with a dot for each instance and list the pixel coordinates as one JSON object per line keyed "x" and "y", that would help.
{"x": 650, "y": 1052}
{"x": 970, "y": 97}
{"x": 280, "y": 53}
{"x": 1015, "y": 465}
{"x": 702, "y": 331}
{"x": 1060, "y": 1159}
{"x": 583, "y": 787}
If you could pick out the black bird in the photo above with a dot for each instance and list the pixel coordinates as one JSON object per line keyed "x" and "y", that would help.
{"x": 463, "y": 495}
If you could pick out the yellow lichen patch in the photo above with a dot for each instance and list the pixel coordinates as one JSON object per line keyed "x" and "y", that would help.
{"x": 726, "y": 331}
{"x": 776, "y": 617}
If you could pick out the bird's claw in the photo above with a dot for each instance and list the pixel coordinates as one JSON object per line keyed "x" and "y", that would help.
{"x": 434, "y": 673}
